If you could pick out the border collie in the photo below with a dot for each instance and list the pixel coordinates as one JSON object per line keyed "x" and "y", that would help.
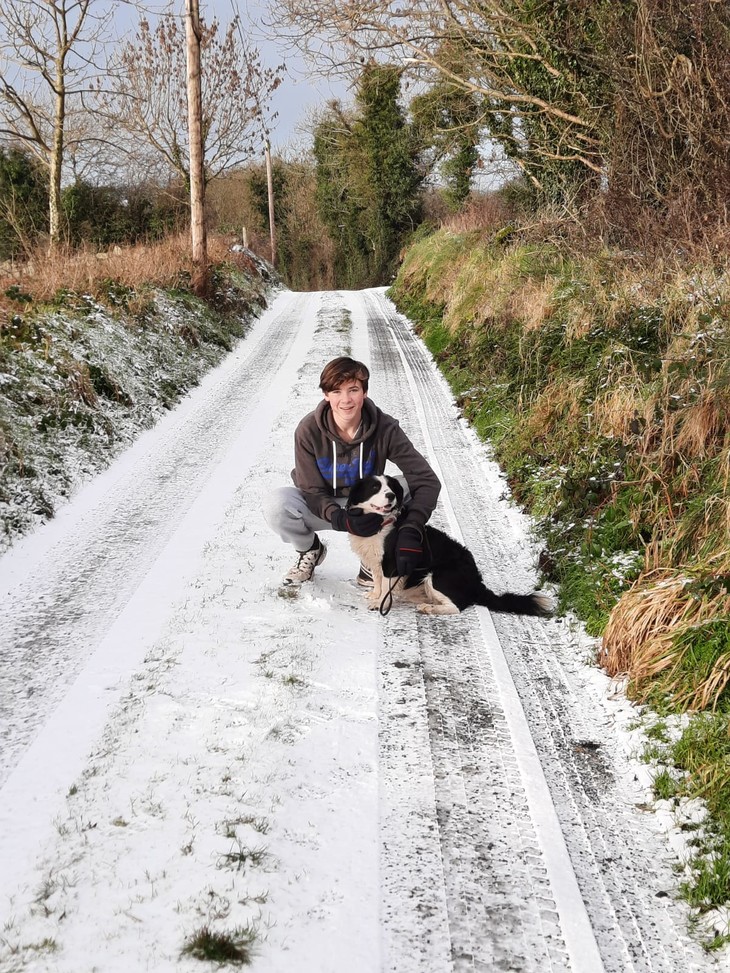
{"x": 449, "y": 580}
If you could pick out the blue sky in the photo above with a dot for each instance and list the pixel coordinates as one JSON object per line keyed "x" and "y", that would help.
{"x": 301, "y": 92}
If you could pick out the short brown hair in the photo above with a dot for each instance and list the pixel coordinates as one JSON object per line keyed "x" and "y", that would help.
{"x": 341, "y": 370}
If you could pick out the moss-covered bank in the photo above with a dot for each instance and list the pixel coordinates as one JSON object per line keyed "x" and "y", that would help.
{"x": 604, "y": 390}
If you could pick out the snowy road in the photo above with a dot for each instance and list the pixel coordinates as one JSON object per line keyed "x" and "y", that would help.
{"x": 183, "y": 749}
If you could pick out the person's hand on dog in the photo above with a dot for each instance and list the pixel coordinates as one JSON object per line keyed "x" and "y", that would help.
{"x": 408, "y": 550}
{"x": 356, "y": 521}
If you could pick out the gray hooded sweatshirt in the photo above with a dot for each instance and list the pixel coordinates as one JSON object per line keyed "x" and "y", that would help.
{"x": 328, "y": 466}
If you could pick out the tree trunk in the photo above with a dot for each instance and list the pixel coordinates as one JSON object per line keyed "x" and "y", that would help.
{"x": 199, "y": 240}
{"x": 270, "y": 188}
{"x": 56, "y": 159}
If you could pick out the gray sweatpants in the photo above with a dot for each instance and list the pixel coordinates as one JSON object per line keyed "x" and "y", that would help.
{"x": 287, "y": 514}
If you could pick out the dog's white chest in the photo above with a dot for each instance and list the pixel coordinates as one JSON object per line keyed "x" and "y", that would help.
{"x": 370, "y": 549}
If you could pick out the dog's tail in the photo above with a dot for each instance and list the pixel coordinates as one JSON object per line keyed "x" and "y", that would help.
{"x": 535, "y": 604}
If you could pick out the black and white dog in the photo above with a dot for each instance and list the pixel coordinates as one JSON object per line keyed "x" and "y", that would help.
{"x": 448, "y": 582}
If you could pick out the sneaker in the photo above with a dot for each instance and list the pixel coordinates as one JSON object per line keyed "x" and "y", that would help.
{"x": 364, "y": 578}
{"x": 306, "y": 562}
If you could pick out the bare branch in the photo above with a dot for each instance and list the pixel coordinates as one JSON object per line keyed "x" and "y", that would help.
{"x": 148, "y": 99}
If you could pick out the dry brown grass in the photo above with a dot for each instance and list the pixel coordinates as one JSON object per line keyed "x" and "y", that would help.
{"x": 532, "y": 304}
{"x": 463, "y": 278}
{"x": 503, "y": 297}
{"x": 704, "y": 425}
{"x": 616, "y": 285}
{"x": 558, "y": 405}
{"x": 623, "y": 412}
{"x": 724, "y": 468}
{"x": 706, "y": 532}
{"x": 80, "y": 384}
{"x": 646, "y": 616}
{"x": 627, "y": 288}
{"x": 579, "y": 321}
{"x": 676, "y": 444}
{"x": 490, "y": 302}
{"x": 640, "y": 639}
{"x": 165, "y": 263}
{"x": 462, "y": 281}
{"x": 482, "y": 212}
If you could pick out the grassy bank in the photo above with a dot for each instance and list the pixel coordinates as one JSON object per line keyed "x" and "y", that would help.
{"x": 93, "y": 349}
{"x": 603, "y": 384}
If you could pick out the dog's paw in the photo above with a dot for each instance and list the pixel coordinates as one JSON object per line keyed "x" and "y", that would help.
{"x": 429, "y": 609}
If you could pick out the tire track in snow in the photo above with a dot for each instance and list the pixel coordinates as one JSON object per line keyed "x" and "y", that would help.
{"x": 501, "y": 909}
{"x": 416, "y": 935}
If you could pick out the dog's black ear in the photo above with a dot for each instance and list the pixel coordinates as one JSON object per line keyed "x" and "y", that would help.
{"x": 355, "y": 494}
{"x": 397, "y": 489}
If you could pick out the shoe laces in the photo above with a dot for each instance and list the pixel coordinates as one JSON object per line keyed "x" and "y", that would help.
{"x": 311, "y": 555}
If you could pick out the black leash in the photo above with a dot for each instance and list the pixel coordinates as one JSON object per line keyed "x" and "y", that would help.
{"x": 388, "y": 596}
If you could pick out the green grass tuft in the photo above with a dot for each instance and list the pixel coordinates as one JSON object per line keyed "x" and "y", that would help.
{"x": 242, "y": 856}
{"x": 700, "y": 651}
{"x": 665, "y": 786}
{"x": 700, "y": 769}
{"x": 235, "y": 947}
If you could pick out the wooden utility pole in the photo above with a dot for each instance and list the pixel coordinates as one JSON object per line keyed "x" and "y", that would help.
{"x": 270, "y": 185}
{"x": 195, "y": 138}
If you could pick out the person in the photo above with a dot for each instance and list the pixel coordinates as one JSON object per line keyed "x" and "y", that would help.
{"x": 345, "y": 438}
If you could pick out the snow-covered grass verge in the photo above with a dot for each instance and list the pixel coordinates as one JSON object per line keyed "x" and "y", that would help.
{"x": 82, "y": 375}
{"x": 681, "y": 754}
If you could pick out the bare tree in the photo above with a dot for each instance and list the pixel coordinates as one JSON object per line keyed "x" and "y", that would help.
{"x": 498, "y": 42}
{"x": 51, "y": 50}
{"x": 149, "y": 98}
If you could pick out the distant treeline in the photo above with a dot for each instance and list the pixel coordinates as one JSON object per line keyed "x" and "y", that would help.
{"x": 96, "y": 215}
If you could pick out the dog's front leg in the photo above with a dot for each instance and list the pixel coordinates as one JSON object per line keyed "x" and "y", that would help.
{"x": 379, "y": 584}
{"x": 370, "y": 552}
